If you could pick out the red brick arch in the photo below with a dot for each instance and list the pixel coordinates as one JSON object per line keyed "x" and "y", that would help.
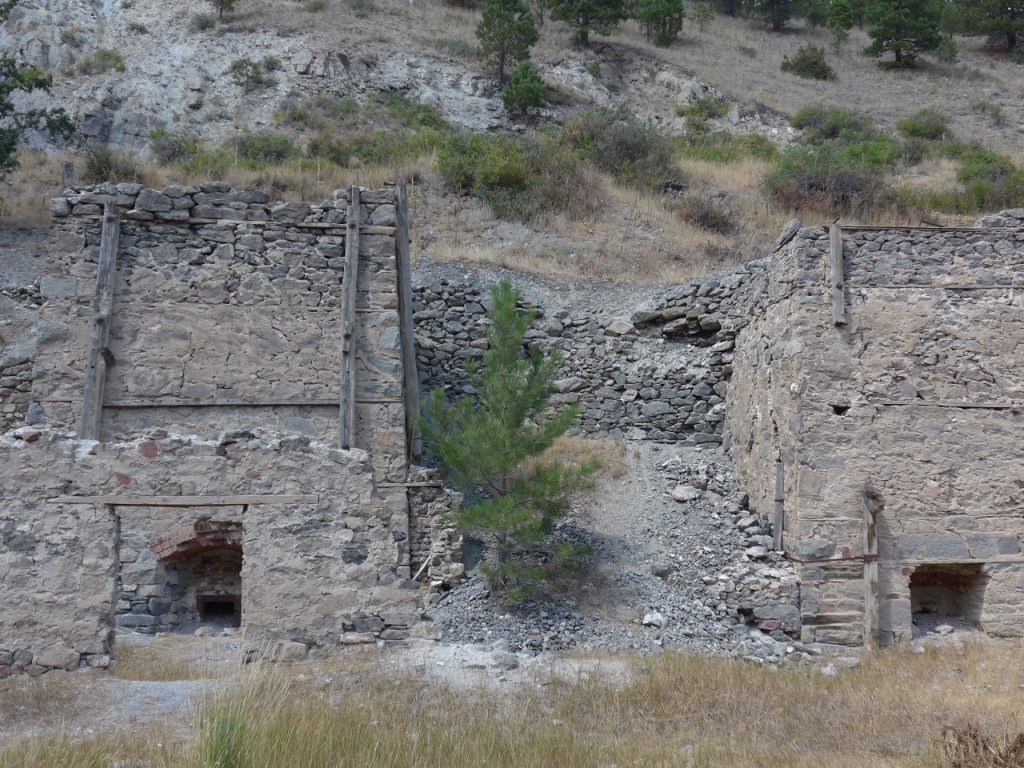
{"x": 189, "y": 541}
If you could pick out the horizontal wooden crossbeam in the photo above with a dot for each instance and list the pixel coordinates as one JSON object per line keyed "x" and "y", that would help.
{"x": 186, "y": 501}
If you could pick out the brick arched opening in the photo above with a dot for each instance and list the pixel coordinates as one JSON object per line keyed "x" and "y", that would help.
{"x": 204, "y": 563}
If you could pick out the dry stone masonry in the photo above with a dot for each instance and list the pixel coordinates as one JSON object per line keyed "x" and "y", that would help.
{"x": 217, "y": 491}
{"x": 876, "y": 411}
{"x": 205, "y": 421}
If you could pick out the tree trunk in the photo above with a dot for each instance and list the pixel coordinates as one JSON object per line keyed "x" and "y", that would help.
{"x": 1011, "y": 39}
{"x": 585, "y": 36}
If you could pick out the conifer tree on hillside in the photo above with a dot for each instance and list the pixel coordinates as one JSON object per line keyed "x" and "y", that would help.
{"x": 904, "y": 28}
{"x": 840, "y": 21}
{"x": 662, "y": 20}
{"x": 505, "y": 33}
{"x": 600, "y": 16}
{"x": 776, "y": 12}
{"x": 1001, "y": 20}
{"x": 492, "y": 444}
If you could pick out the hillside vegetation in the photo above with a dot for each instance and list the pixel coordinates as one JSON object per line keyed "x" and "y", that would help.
{"x": 646, "y": 162}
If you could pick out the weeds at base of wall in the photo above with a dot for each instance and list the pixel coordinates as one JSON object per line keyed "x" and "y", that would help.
{"x": 671, "y": 710}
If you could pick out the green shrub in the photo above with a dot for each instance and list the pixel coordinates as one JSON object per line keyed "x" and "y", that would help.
{"x": 100, "y": 61}
{"x": 401, "y": 111}
{"x": 265, "y": 147}
{"x": 876, "y": 154}
{"x": 746, "y": 50}
{"x": 525, "y": 91}
{"x": 699, "y": 111}
{"x": 724, "y": 147}
{"x": 174, "y": 147}
{"x": 820, "y": 178}
{"x": 993, "y": 111}
{"x": 456, "y": 46}
{"x": 250, "y": 75}
{"x": 809, "y": 62}
{"x": 201, "y": 22}
{"x": 636, "y": 152}
{"x": 103, "y": 163}
{"x": 705, "y": 213}
{"x": 821, "y": 124}
{"x": 520, "y": 178}
{"x": 925, "y": 124}
{"x": 315, "y": 6}
{"x": 375, "y": 148}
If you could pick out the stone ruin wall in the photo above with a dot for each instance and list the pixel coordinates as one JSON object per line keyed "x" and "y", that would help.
{"x": 660, "y": 376}
{"x": 920, "y": 395}
{"x": 223, "y": 380}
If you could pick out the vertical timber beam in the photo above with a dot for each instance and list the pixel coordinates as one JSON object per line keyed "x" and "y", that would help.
{"x": 835, "y": 263}
{"x": 873, "y": 506}
{"x": 410, "y": 376}
{"x": 347, "y": 373}
{"x": 103, "y": 302}
{"x": 67, "y": 175}
{"x": 780, "y": 509}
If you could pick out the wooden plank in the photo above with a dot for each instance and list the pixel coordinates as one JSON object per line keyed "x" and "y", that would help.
{"x": 779, "y": 523}
{"x": 103, "y": 302}
{"x": 951, "y": 404}
{"x": 346, "y": 374}
{"x": 187, "y": 501}
{"x": 234, "y": 402}
{"x": 911, "y": 228}
{"x": 410, "y": 375}
{"x": 426, "y": 484}
{"x": 945, "y": 287}
{"x": 873, "y": 506}
{"x": 836, "y": 277}
{"x": 366, "y": 229}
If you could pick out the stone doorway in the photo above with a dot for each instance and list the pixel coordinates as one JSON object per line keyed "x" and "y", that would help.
{"x": 948, "y": 593}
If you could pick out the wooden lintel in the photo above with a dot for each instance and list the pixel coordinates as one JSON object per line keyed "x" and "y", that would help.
{"x": 366, "y": 229}
{"x": 426, "y": 484}
{"x": 918, "y": 228}
{"x": 215, "y": 402}
{"x": 944, "y": 286}
{"x": 187, "y": 501}
{"x": 951, "y": 404}
{"x": 779, "y": 523}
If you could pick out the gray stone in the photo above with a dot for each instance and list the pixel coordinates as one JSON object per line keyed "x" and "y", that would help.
{"x": 153, "y": 200}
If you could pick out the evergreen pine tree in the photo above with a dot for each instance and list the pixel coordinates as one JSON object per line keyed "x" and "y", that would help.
{"x": 662, "y": 19}
{"x": 1001, "y": 20}
{"x": 775, "y": 12}
{"x": 491, "y": 444}
{"x": 600, "y": 16}
{"x": 505, "y": 33}
{"x": 904, "y": 28}
{"x": 840, "y": 21}
{"x": 525, "y": 90}
{"x": 703, "y": 15}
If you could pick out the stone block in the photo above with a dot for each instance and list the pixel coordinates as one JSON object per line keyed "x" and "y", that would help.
{"x": 153, "y": 201}
{"x": 58, "y": 657}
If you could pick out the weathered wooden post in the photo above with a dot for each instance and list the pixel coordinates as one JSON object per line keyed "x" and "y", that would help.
{"x": 873, "y": 506}
{"x": 347, "y": 373}
{"x": 410, "y": 377}
{"x": 835, "y": 262}
{"x": 102, "y": 306}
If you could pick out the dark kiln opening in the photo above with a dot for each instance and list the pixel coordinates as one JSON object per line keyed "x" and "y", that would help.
{"x": 948, "y": 593}
{"x": 225, "y": 610}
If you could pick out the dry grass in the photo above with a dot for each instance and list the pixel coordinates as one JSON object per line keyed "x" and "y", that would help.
{"x": 679, "y": 711}
{"x": 26, "y": 193}
{"x": 574, "y": 451}
{"x": 167, "y": 658}
{"x": 27, "y": 700}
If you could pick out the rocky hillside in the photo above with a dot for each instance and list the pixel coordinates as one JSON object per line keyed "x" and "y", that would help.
{"x": 313, "y": 76}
